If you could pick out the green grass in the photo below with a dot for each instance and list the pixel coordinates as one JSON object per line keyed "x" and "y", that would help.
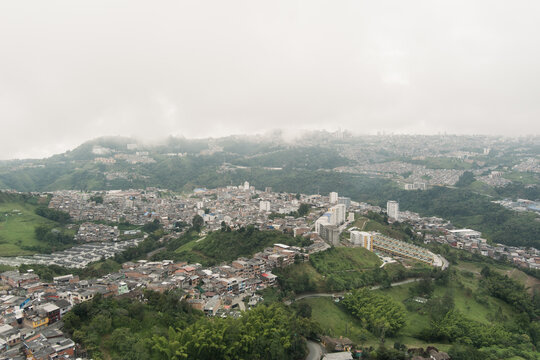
{"x": 482, "y": 188}
{"x": 188, "y": 246}
{"x": 360, "y": 222}
{"x": 522, "y": 177}
{"x": 335, "y": 321}
{"x": 17, "y": 229}
{"x": 302, "y": 277}
{"x": 344, "y": 259}
{"x": 384, "y": 229}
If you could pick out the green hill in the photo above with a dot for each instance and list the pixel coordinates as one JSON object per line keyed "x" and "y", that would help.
{"x": 224, "y": 246}
{"x": 496, "y": 323}
{"x": 18, "y": 220}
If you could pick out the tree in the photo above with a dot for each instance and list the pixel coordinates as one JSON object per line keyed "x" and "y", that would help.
{"x": 152, "y": 226}
{"x": 380, "y": 313}
{"x": 303, "y": 210}
{"x": 197, "y": 222}
{"x": 304, "y": 310}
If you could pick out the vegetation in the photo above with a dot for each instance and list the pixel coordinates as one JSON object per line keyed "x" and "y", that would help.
{"x": 297, "y": 158}
{"x": 21, "y": 222}
{"x": 94, "y": 270}
{"x": 339, "y": 269}
{"x": 509, "y": 291}
{"x": 162, "y": 327}
{"x": 123, "y": 328}
{"x": 272, "y": 332}
{"x": 467, "y": 209}
{"x": 52, "y": 214}
{"x": 459, "y": 315}
{"x": 152, "y": 226}
{"x": 303, "y": 210}
{"x": 466, "y": 179}
{"x": 226, "y": 246}
{"x": 381, "y": 315}
{"x": 54, "y": 238}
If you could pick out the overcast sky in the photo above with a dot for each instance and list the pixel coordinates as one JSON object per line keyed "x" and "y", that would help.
{"x": 71, "y": 70}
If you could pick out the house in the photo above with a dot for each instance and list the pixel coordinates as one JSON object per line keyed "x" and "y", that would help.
{"x": 51, "y": 311}
{"x": 335, "y": 344}
{"x": 343, "y": 355}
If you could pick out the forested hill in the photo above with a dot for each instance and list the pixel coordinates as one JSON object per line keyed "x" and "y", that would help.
{"x": 181, "y": 165}
{"x": 176, "y": 164}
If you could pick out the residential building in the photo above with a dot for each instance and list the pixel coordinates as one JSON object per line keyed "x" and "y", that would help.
{"x": 392, "y": 209}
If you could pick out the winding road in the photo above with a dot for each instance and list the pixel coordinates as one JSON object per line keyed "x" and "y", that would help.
{"x": 315, "y": 351}
{"x": 307, "y": 296}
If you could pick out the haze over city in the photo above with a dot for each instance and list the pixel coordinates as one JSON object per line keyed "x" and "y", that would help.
{"x": 70, "y": 72}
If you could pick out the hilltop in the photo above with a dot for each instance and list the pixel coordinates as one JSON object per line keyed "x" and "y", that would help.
{"x": 461, "y": 178}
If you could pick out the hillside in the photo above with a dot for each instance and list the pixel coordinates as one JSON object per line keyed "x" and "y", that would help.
{"x": 464, "y": 293}
{"x": 18, "y": 221}
{"x": 224, "y": 246}
{"x": 308, "y": 167}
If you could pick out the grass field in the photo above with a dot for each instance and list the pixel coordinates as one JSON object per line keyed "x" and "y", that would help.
{"x": 530, "y": 282}
{"x": 482, "y": 188}
{"x": 344, "y": 259}
{"x": 523, "y": 177}
{"x": 17, "y": 228}
{"x": 335, "y": 321}
{"x": 384, "y": 229}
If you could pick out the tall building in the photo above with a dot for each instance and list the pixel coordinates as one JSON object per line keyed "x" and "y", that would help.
{"x": 392, "y": 209}
{"x": 330, "y": 233}
{"x": 363, "y": 239}
{"x": 345, "y": 201}
{"x": 333, "y": 198}
{"x": 338, "y": 211}
{"x": 246, "y": 185}
{"x": 264, "y": 205}
{"x": 323, "y": 220}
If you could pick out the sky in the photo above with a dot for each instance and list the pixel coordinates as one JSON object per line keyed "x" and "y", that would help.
{"x": 71, "y": 71}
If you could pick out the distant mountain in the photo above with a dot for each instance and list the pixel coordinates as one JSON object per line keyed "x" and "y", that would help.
{"x": 175, "y": 163}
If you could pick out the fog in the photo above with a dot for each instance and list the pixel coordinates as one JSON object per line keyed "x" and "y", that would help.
{"x": 71, "y": 71}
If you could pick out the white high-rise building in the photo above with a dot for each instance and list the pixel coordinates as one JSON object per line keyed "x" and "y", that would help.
{"x": 264, "y": 205}
{"x": 363, "y": 239}
{"x": 339, "y": 212}
{"x": 323, "y": 220}
{"x": 392, "y": 209}
{"x": 333, "y": 198}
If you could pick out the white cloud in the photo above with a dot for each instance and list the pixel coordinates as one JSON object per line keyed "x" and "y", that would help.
{"x": 74, "y": 71}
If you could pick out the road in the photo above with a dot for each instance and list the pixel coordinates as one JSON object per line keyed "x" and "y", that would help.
{"x": 315, "y": 350}
{"x": 307, "y": 296}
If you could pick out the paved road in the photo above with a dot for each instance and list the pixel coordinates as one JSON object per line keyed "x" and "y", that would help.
{"x": 315, "y": 350}
{"x": 307, "y": 296}
{"x": 151, "y": 253}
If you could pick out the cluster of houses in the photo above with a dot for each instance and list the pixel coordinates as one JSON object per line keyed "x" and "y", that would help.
{"x": 92, "y": 232}
{"x": 470, "y": 240}
{"x": 30, "y": 314}
{"x": 30, "y": 308}
{"x": 76, "y": 257}
{"x": 236, "y": 206}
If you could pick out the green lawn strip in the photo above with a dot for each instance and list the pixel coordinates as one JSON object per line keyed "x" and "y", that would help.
{"x": 17, "y": 228}
{"x": 522, "y": 177}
